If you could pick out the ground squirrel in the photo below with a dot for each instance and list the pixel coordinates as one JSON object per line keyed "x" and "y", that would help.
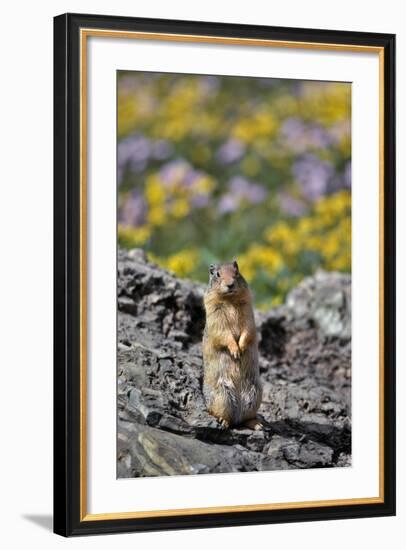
{"x": 232, "y": 387}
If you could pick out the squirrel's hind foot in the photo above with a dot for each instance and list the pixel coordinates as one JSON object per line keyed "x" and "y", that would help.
{"x": 253, "y": 424}
{"x": 225, "y": 424}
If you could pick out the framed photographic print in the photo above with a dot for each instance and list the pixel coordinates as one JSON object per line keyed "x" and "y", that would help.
{"x": 224, "y": 253}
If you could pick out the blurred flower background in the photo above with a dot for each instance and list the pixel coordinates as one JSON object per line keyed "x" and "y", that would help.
{"x": 215, "y": 168}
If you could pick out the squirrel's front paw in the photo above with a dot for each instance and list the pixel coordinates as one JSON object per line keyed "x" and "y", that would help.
{"x": 242, "y": 344}
{"x": 234, "y": 350}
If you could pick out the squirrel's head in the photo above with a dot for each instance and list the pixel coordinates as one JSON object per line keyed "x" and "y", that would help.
{"x": 226, "y": 279}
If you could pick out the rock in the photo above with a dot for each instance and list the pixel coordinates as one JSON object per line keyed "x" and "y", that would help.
{"x": 305, "y": 364}
{"x": 325, "y": 300}
{"x": 152, "y": 452}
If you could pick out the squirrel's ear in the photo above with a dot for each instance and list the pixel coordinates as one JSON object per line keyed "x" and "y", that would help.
{"x": 211, "y": 269}
{"x": 235, "y": 264}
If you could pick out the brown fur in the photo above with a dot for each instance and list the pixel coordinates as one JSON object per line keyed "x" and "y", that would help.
{"x": 232, "y": 387}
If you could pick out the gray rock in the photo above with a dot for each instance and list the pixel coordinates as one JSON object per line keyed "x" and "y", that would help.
{"x": 324, "y": 299}
{"x": 144, "y": 451}
{"x": 305, "y": 363}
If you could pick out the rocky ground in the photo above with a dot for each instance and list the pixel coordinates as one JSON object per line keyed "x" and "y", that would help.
{"x": 305, "y": 362}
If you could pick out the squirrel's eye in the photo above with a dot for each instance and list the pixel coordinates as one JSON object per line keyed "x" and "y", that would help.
{"x": 218, "y": 274}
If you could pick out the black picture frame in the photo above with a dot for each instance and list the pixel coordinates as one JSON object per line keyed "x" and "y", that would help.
{"x": 67, "y": 354}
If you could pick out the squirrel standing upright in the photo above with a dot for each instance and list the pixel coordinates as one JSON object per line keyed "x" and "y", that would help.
{"x": 231, "y": 387}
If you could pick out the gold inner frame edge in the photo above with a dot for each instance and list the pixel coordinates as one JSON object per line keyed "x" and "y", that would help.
{"x": 84, "y": 34}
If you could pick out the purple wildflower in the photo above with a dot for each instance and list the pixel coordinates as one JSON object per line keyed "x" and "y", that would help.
{"x": 179, "y": 171}
{"x": 228, "y": 203}
{"x": 301, "y": 137}
{"x": 290, "y": 205}
{"x": 313, "y": 175}
{"x": 241, "y": 190}
{"x": 134, "y": 210}
{"x": 244, "y": 189}
{"x": 161, "y": 149}
{"x": 231, "y": 151}
{"x": 133, "y": 152}
{"x": 174, "y": 171}
{"x": 200, "y": 200}
{"x": 341, "y": 130}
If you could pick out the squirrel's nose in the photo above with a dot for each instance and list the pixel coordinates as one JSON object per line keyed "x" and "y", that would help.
{"x": 230, "y": 286}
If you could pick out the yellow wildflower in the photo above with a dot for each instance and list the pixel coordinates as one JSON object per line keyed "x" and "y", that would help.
{"x": 204, "y": 184}
{"x": 157, "y": 215}
{"x": 180, "y": 208}
{"x": 133, "y": 236}
{"x": 154, "y": 191}
{"x": 183, "y": 262}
